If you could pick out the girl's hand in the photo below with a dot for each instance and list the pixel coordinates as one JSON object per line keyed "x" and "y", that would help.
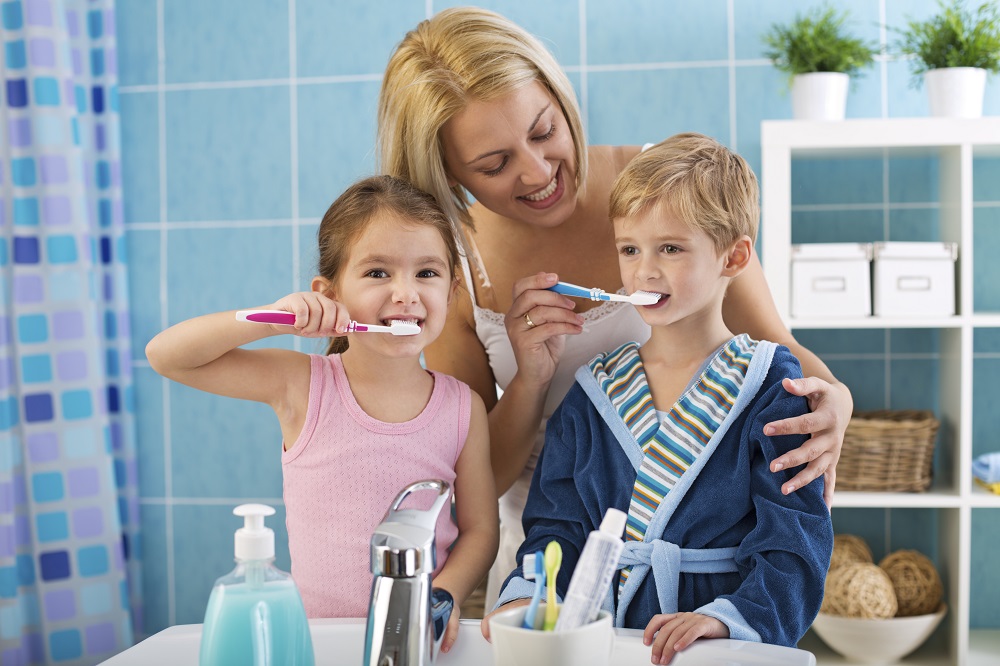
{"x": 675, "y": 631}
{"x": 316, "y": 315}
{"x": 536, "y": 323}
{"x": 831, "y": 406}
{"x": 451, "y": 632}
{"x": 485, "y": 624}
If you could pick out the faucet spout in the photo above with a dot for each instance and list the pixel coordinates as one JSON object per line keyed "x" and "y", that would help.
{"x": 406, "y": 617}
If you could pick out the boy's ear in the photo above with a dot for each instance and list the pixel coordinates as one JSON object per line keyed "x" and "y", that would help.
{"x": 738, "y": 257}
{"x": 323, "y": 286}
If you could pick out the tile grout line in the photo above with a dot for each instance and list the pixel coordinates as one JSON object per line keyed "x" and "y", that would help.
{"x": 293, "y": 122}
{"x": 731, "y": 48}
{"x": 584, "y": 69}
{"x": 168, "y": 481}
{"x": 883, "y": 63}
{"x": 209, "y": 501}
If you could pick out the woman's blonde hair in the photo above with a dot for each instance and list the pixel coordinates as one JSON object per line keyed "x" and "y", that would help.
{"x": 460, "y": 55}
{"x": 347, "y": 218}
{"x": 708, "y": 186}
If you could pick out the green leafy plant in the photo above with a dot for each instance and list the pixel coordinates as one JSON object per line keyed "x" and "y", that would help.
{"x": 817, "y": 42}
{"x": 954, "y": 38}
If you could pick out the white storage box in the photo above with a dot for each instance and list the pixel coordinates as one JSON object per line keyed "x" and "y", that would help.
{"x": 915, "y": 279}
{"x": 831, "y": 280}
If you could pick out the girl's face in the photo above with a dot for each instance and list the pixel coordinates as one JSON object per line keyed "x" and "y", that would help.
{"x": 396, "y": 270}
{"x": 515, "y": 155}
{"x": 658, "y": 252}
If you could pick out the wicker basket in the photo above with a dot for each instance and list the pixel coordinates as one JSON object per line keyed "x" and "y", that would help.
{"x": 888, "y": 451}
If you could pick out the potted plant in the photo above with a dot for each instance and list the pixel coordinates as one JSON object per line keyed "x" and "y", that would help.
{"x": 819, "y": 56}
{"x": 953, "y": 51}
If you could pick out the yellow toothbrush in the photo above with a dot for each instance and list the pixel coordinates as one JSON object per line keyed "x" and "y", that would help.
{"x": 553, "y": 560}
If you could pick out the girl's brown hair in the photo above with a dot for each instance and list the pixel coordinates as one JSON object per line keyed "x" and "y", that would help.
{"x": 350, "y": 214}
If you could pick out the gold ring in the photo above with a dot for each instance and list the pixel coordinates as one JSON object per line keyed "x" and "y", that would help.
{"x": 527, "y": 320}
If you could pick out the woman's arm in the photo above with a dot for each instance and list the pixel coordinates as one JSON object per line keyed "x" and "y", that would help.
{"x": 748, "y": 308}
{"x": 476, "y": 515}
{"x": 514, "y": 418}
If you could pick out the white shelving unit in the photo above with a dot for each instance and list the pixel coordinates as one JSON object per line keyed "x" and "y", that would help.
{"x": 954, "y": 142}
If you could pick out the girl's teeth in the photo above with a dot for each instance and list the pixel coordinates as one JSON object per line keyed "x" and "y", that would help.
{"x": 546, "y": 193}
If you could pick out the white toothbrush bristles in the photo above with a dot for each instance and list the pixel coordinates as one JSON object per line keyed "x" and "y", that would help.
{"x": 397, "y": 327}
{"x": 644, "y": 298}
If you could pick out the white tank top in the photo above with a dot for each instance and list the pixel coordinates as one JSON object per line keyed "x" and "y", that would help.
{"x": 605, "y": 327}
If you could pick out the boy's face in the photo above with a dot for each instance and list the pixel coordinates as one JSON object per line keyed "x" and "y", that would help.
{"x": 658, "y": 252}
{"x": 396, "y": 270}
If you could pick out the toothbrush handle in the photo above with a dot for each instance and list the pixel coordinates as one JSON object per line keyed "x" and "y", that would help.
{"x": 568, "y": 289}
{"x": 267, "y": 316}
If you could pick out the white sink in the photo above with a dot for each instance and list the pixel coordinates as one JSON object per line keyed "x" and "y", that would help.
{"x": 341, "y": 642}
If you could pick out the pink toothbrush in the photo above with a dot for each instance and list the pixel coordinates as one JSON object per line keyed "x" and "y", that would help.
{"x": 396, "y": 327}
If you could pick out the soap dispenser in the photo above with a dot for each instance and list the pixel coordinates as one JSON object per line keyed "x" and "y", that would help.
{"x": 255, "y": 614}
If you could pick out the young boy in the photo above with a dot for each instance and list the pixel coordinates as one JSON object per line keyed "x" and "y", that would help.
{"x": 672, "y": 431}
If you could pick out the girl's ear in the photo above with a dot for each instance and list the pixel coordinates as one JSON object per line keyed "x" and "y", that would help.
{"x": 454, "y": 288}
{"x": 738, "y": 257}
{"x": 323, "y": 286}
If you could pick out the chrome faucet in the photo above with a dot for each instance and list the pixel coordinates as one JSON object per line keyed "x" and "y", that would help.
{"x": 406, "y": 616}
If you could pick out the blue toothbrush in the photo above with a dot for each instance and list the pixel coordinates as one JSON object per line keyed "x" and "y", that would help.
{"x": 595, "y": 294}
{"x": 533, "y": 568}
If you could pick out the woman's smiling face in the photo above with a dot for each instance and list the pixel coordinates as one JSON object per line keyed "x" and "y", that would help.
{"x": 515, "y": 156}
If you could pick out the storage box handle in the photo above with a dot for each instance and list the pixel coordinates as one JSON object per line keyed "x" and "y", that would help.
{"x": 913, "y": 283}
{"x": 827, "y": 284}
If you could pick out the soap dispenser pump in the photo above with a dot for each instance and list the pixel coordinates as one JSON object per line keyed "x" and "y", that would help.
{"x": 255, "y": 614}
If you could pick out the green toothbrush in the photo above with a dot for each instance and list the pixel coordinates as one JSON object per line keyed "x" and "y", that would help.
{"x": 553, "y": 560}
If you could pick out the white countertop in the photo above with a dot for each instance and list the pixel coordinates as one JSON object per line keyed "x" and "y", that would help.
{"x": 337, "y": 642}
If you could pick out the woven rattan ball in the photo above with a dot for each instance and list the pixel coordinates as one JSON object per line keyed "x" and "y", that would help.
{"x": 848, "y": 549}
{"x": 915, "y": 580}
{"x": 859, "y": 590}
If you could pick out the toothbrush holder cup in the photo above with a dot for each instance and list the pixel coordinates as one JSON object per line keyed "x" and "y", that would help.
{"x": 513, "y": 645}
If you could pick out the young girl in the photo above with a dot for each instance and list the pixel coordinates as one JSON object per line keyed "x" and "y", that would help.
{"x": 364, "y": 421}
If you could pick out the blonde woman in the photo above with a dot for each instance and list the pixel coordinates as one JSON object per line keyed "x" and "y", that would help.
{"x": 473, "y": 105}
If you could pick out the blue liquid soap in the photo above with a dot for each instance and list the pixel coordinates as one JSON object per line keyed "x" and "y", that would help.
{"x": 255, "y": 615}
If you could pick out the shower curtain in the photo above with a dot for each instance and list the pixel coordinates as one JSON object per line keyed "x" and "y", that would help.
{"x": 69, "y": 570}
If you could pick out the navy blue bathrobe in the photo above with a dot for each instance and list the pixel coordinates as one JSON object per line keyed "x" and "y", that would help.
{"x": 780, "y": 545}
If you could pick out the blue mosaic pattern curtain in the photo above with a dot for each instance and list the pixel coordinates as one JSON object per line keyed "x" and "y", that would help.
{"x": 68, "y": 480}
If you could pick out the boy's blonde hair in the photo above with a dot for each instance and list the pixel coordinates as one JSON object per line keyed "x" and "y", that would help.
{"x": 348, "y": 217}
{"x": 695, "y": 177}
{"x": 462, "y": 54}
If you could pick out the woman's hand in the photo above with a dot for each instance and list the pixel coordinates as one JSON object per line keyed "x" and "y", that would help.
{"x": 672, "y": 632}
{"x": 485, "y": 624}
{"x": 536, "y": 322}
{"x": 830, "y": 411}
{"x": 316, "y": 315}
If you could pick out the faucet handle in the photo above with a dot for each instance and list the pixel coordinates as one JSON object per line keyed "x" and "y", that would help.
{"x": 426, "y": 519}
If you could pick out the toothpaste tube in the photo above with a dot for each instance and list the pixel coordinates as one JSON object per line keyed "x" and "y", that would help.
{"x": 593, "y": 573}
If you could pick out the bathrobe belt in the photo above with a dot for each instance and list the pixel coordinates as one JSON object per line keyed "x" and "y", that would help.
{"x": 668, "y": 562}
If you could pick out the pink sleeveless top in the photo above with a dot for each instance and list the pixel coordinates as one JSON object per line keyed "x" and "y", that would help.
{"x": 342, "y": 474}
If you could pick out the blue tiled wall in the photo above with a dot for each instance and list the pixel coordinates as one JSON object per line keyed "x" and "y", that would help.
{"x": 243, "y": 122}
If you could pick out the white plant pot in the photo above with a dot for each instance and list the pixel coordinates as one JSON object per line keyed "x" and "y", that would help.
{"x": 819, "y": 96}
{"x": 956, "y": 92}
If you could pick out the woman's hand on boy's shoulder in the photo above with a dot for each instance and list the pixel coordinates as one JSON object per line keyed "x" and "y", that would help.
{"x": 670, "y": 633}
{"x": 316, "y": 314}
{"x": 830, "y": 408}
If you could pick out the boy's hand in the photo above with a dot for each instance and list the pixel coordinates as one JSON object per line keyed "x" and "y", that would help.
{"x": 677, "y": 631}
{"x": 451, "y": 632}
{"x": 316, "y": 315}
{"x": 485, "y": 624}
